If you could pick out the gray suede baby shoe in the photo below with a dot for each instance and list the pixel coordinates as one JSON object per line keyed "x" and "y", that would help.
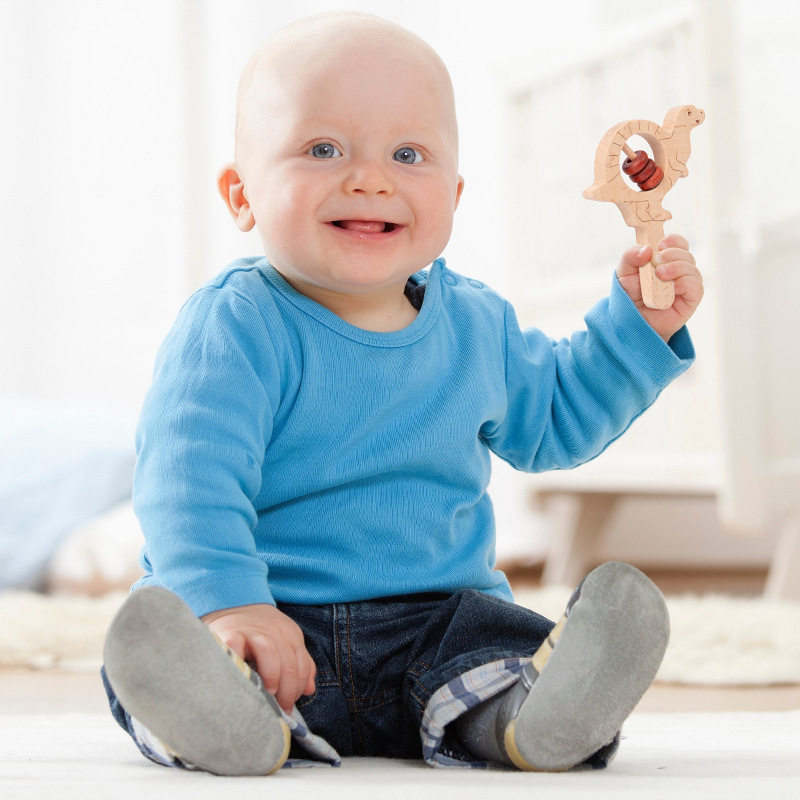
{"x": 191, "y": 692}
{"x": 586, "y": 678}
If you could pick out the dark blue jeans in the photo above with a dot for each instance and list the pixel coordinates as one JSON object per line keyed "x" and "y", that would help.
{"x": 379, "y": 662}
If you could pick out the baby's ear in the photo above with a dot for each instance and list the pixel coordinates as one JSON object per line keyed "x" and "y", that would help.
{"x": 459, "y": 190}
{"x": 231, "y": 188}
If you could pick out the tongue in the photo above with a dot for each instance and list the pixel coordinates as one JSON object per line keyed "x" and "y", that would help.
{"x": 362, "y": 226}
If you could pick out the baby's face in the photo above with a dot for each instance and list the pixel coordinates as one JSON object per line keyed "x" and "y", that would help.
{"x": 349, "y": 165}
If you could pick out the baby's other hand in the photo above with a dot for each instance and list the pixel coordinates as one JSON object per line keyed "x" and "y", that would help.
{"x": 266, "y": 637}
{"x": 674, "y": 263}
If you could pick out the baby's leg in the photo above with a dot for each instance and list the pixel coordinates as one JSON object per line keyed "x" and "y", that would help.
{"x": 582, "y": 683}
{"x": 183, "y": 686}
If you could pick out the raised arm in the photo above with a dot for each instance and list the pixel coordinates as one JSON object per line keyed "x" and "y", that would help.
{"x": 568, "y": 400}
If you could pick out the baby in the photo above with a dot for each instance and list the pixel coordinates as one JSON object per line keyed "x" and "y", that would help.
{"x": 314, "y": 453}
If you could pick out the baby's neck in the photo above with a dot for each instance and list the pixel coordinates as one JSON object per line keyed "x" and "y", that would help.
{"x": 385, "y": 316}
{"x": 381, "y": 312}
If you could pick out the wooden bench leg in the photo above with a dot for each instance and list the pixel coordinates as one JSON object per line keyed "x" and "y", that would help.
{"x": 578, "y": 520}
{"x": 783, "y": 581}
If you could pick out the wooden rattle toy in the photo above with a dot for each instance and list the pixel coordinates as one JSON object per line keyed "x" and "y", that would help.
{"x": 641, "y": 206}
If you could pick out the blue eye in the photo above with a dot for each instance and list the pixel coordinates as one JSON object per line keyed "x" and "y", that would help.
{"x": 324, "y": 150}
{"x": 408, "y": 155}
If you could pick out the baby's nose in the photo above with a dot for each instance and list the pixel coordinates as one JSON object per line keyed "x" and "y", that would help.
{"x": 368, "y": 177}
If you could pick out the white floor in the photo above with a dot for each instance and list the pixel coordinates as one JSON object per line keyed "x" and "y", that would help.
{"x": 749, "y": 755}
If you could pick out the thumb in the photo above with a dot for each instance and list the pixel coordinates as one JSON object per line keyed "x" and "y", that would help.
{"x": 634, "y": 257}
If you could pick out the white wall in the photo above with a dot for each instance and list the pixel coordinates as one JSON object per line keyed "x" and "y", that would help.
{"x": 93, "y": 229}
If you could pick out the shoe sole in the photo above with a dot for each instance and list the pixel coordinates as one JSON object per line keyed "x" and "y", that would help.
{"x": 606, "y": 656}
{"x": 173, "y": 675}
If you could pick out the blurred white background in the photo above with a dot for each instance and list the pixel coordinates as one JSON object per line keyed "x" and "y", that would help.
{"x": 115, "y": 119}
{"x": 115, "y": 116}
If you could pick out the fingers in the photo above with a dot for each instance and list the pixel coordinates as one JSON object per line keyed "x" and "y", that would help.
{"x": 673, "y": 262}
{"x": 678, "y": 265}
{"x": 311, "y": 683}
{"x": 288, "y": 671}
{"x": 277, "y": 663}
{"x": 689, "y": 290}
{"x": 672, "y": 253}
{"x": 283, "y": 669}
{"x": 274, "y": 644}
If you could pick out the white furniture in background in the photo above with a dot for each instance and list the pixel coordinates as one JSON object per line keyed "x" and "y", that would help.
{"x": 728, "y": 429}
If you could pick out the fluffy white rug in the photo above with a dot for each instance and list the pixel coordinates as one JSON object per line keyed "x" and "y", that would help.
{"x": 43, "y": 631}
{"x": 715, "y": 640}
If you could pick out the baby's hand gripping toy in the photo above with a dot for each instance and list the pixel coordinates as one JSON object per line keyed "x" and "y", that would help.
{"x": 654, "y": 177}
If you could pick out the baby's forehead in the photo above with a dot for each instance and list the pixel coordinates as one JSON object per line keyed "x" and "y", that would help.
{"x": 337, "y": 45}
{"x": 333, "y": 42}
{"x": 310, "y": 51}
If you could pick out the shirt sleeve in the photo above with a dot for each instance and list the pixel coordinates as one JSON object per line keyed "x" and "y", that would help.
{"x": 568, "y": 400}
{"x": 201, "y": 441}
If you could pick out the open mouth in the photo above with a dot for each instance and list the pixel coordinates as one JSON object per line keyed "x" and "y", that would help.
{"x": 365, "y": 226}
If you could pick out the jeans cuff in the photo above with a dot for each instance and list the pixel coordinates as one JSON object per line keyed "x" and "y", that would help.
{"x": 455, "y": 698}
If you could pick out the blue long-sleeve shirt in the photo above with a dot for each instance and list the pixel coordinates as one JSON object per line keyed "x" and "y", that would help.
{"x": 285, "y": 455}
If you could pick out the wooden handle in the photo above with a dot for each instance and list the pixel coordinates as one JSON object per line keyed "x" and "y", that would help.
{"x": 656, "y": 293}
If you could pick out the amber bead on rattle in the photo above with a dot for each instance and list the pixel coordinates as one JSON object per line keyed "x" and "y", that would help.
{"x": 642, "y": 170}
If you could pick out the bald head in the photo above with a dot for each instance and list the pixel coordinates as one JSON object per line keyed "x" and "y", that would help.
{"x": 311, "y": 48}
